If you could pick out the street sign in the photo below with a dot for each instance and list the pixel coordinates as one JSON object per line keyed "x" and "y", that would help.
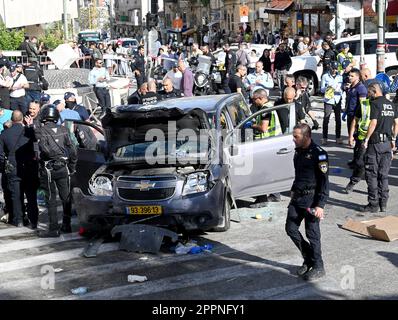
{"x": 340, "y": 25}
{"x": 349, "y": 10}
{"x": 244, "y": 13}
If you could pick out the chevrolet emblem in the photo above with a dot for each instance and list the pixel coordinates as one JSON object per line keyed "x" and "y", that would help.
{"x": 144, "y": 185}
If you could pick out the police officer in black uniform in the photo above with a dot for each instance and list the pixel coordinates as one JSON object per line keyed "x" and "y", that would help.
{"x": 58, "y": 159}
{"x": 138, "y": 66}
{"x": 37, "y": 82}
{"x": 19, "y": 164}
{"x": 230, "y": 65}
{"x": 310, "y": 192}
{"x": 379, "y": 142}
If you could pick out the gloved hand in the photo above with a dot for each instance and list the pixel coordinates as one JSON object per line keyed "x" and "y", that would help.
{"x": 344, "y": 116}
{"x": 248, "y": 125}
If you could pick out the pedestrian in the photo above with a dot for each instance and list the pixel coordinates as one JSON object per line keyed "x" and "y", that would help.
{"x": 71, "y": 103}
{"x": 98, "y": 77}
{"x": 282, "y": 64}
{"x": 17, "y": 89}
{"x": 138, "y": 66}
{"x": 259, "y": 79}
{"x": 58, "y": 159}
{"x": 37, "y": 82}
{"x": 236, "y": 84}
{"x": 327, "y": 58}
{"x": 252, "y": 62}
{"x": 136, "y": 97}
{"x": 175, "y": 76}
{"x": 5, "y": 85}
{"x": 379, "y": 142}
{"x": 266, "y": 60}
{"x": 304, "y": 48}
{"x": 19, "y": 165}
{"x": 151, "y": 97}
{"x": 303, "y": 103}
{"x": 168, "y": 91}
{"x": 332, "y": 88}
{"x": 242, "y": 57}
{"x": 355, "y": 94}
{"x": 187, "y": 80}
{"x": 230, "y": 65}
{"x": 309, "y": 195}
{"x": 265, "y": 125}
{"x": 283, "y": 113}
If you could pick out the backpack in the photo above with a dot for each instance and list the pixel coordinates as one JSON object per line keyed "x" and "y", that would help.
{"x": 85, "y": 137}
{"x": 49, "y": 148}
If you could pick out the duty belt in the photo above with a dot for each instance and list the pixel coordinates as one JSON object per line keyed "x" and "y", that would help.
{"x": 300, "y": 193}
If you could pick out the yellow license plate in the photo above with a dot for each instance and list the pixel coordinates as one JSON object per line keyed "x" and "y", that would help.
{"x": 137, "y": 210}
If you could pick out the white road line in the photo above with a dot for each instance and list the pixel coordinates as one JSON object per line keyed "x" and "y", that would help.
{"x": 182, "y": 281}
{"x": 13, "y": 245}
{"x": 51, "y": 258}
{"x": 153, "y": 261}
{"x": 14, "y": 231}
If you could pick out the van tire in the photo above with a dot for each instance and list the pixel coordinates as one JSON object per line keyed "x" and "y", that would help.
{"x": 226, "y": 218}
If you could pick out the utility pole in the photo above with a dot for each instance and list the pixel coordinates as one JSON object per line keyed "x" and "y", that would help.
{"x": 362, "y": 32}
{"x": 337, "y": 18}
{"x": 110, "y": 4}
{"x": 380, "y": 51}
{"x": 65, "y": 19}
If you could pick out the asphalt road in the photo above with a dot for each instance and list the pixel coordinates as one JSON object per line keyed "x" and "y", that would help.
{"x": 254, "y": 260}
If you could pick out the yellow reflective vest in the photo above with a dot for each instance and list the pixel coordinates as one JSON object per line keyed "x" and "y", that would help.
{"x": 364, "y": 122}
{"x": 274, "y": 127}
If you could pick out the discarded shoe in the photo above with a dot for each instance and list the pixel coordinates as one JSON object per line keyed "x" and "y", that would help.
{"x": 314, "y": 274}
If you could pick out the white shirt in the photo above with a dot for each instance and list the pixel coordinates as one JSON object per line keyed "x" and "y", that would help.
{"x": 175, "y": 77}
{"x": 301, "y": 46}
{"x": 19, "y": 92}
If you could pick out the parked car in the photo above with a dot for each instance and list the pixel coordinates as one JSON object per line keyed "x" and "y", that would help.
{"x": 308, "y": 65}
{"x": 126, "y": 43}
{"x": 179, "y": 164}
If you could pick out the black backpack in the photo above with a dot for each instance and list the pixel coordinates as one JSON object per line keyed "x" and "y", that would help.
{"x": 85, "y": 137}
{"x": 49, "y": 148}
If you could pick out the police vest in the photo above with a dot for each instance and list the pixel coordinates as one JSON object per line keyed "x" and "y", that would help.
{"x": 348, "y": 57}
{"x": 274, "y": 127}
{"x": 364, "y": 122}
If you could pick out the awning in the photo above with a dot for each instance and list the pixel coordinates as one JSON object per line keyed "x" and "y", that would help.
{"x": 392, "y": 9}
{"x": 276, "y": 6}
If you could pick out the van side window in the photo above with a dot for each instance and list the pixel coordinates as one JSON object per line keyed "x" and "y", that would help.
{"x": 238, "y": 111}
{"x": 370, "y": 46}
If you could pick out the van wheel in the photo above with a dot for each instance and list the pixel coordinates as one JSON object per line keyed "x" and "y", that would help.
{"x": 226, "y": 217}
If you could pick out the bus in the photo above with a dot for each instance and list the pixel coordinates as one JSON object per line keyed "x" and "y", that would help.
{"x": 89, "y": 36}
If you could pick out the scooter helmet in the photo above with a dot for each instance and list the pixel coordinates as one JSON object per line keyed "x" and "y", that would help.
{"x": 49, "y": 113}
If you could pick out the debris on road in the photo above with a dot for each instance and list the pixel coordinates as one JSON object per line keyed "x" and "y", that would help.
{"x": 192, "y": 247}
{"x": 259, "y": 216}
{"x": 134, "y": 278}
{"x": 144, "y": 258}
{"x": 80, "y": 291}
{"x": 58, "y": 270}
{"x": 385, "y": 229}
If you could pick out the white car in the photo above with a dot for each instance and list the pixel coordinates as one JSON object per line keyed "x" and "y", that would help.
{"x": 308, "y": 65}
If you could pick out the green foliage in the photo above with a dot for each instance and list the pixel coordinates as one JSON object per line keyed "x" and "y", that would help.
{"x": 10, "y": 39}
{"x": 205, "y": 3}
{"x": 53, "y": 36}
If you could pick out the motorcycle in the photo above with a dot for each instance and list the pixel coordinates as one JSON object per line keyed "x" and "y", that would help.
{"x": 203, "y": 79}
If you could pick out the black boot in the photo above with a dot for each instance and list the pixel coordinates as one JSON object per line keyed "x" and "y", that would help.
{"x": 66, "y": 226}
{"x": 315, "y": 125}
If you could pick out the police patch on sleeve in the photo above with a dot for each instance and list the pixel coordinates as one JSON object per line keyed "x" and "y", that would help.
{"x": 322, "y": 157}
{"x": 323, "y": 166}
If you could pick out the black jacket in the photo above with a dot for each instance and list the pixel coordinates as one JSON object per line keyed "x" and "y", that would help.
{"x": 169, "y": 95}
{"x": 282, "y": 61}
{"x": 19, "y": 139}
{"x": 230, "y": 62}
{"x": 35, "y": 77}
{"x": 311, "y": 184}
{"x": 61, "y": 136}
{"x": 135, "y": 98}
{"x": 138, "y": 63}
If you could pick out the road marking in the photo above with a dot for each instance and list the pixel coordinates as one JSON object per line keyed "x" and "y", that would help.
{"x": 182, "y": 281}
{"x": 13, "y": 245}
{"x": 14, "y": 231}
{"x": 51, "y": 258}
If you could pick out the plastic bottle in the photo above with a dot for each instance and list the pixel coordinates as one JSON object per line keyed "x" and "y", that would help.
{"x": 80, "y": 290}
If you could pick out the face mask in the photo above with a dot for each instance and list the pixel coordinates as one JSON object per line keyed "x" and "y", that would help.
{"x": 70, "y": 104}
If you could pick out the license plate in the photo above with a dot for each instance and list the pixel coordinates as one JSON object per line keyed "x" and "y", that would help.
{"x": 144, "y": 210}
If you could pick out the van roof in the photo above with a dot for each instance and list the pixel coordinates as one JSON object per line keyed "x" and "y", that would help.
{"x": 367, "y": 36}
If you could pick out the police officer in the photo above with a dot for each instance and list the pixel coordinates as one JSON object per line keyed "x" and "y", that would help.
{"x": 310, "y": 192}
{"x": 356, "y": 139}
{"x": 36, "y": 81}
{"x": 379, "y": 142}
{"x": 138, "y": 66}
{"x": 58, "y": 159}
{"x": 168, "y": 91}
{"x": 303, "y": 103}
{"x": 18, "y": 162}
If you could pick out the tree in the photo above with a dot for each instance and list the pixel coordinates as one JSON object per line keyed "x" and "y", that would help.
{"x": 53, "y": 36}
{"x": 10, "y": 39}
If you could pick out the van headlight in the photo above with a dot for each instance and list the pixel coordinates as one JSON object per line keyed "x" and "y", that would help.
{"x": 101, "y": 186}
{"x": 195, "y": 183}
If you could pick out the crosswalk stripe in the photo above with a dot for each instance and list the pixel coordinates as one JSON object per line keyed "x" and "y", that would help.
{"x": 51, "y": 258}
{"x": 14, "y": 231}
{"x": 182, "y": 281}
{"x": 13, "y": 245}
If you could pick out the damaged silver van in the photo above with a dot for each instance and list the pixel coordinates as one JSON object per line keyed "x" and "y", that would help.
{"x": 179, "y": 164}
